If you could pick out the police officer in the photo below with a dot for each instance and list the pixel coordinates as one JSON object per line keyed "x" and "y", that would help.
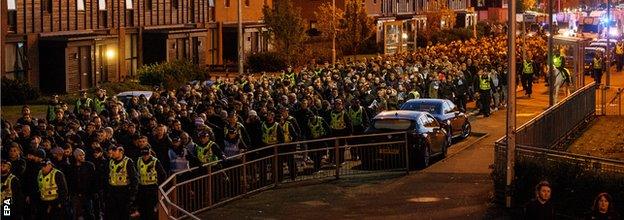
{"x": 53, "y": 192}
{"x": 151, "y": 174}
{"x": 559, "y": 63}
{"x": 11, "y": 192}
{"x": 122, "y": 186}
{"x": 290, "y": 76}
{"x": 619, "y": 54}
{"x": 318, "y": 129}
{"x": 485, "y": 90}
{"x": 290, "y": 134}
{"x": 359, "y": 120}
{"x": 527, "y": 76}
{"x": 82, "y": 102}
{"x": 271, "y": 134}
{"x": 598, "y": 67}
{"x": 207, "y": 150}
{"x": 340, "y": 125}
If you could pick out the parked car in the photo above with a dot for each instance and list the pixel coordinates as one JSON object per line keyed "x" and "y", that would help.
{"x": 125, "y": 97}
{"x": 445, "y": 111}
{"x": 426, "y": 138}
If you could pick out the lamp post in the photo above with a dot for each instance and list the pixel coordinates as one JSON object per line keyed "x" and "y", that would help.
{"x": 608, "y": 50}
{"x": 511, "y": 102}
{"x": 240, "y": 37}
{"x": 333, "y": 32}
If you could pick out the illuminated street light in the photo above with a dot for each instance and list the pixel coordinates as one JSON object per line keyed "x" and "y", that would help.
{"x": 110, "y": 53}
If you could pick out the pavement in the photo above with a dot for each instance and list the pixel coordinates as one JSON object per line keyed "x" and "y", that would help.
{"x": 457, "y": 187}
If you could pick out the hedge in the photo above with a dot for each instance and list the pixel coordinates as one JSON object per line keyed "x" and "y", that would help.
{"x": 266, "y": 62}
{"x": 171, "y": 74}
{"x": 17, "y": 92}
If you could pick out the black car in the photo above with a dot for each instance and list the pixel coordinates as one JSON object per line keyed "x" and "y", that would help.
{"x": 426, "y": 138}
{"x": 454, "y": 121}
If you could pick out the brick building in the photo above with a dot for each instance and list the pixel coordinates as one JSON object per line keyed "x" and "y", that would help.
{"x": 65, "y": 46}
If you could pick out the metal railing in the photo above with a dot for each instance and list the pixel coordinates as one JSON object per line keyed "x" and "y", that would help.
{"x": 610, "y": 101}
{"x": 553, "y": 125}
{"x": 187, "y": 193}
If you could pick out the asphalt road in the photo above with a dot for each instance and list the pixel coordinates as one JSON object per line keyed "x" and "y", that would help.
{"x": 458, "y": 187}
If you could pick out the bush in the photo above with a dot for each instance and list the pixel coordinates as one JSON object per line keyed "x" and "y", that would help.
{"x": 171, "y": 75}
{"x": 17, "y": 92}
{"x": 443, "y": 36}
{"x": 267, "y": 61}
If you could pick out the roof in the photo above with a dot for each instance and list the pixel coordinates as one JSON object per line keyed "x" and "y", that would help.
{"x": 399, "y": 114}
{"x": 436, "y": 101}
{"x": 136, "y": 93}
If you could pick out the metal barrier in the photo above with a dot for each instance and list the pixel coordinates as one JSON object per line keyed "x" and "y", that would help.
{"x": 551, "y": 126}
{"x": 189, "y": 192}
{"x": 610, "y": 101}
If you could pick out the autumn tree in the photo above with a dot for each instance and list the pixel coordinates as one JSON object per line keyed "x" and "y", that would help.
{"x": 355, "y": 27}
{"x": 325, "y": 24}
{"x": 286, "y": 29}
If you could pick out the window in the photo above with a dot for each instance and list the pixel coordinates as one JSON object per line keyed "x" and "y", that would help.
{"x": 11, "y": 5}
{"x": 374, "y": 1}
{"x": 128, "y": 4}
{"x": 15, "y": 61}
{"x": 247, "y": 3}
{"x": 430, "y": 122}
{"x": 46, "y": 5}
{"x": 227, "y": 3}
{"x": 102, "y": 5}
{"x": 392, "y": 124}
{"x": 174, "y": 3}
{"x": 211, "y": 3}
{"x": 80, "y": 5}
{"x": 131, "y": 53}
{"x": 12, "y": 15}
{"x": 148, "y": 4}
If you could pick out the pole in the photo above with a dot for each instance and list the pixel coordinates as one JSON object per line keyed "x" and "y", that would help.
{"x": 240, "y": 37}
{"x": 475, "y": 20}
{"x": 609, "y": 19}
{"x": 551, "y": 75}
{"x": 511, "y": 102}
{"x": 524, "y": 37}
{"x": 333, "y": 32}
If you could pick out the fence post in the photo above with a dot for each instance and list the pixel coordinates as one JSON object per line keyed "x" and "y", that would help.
{"x": 337, "y": 157}
{"x": 407, "y": 162}
{"x": 620, "y": 103}
{"x": 275, "y": 165}
{"x": 244, "y": 173}
{"x": 209, "y": 185}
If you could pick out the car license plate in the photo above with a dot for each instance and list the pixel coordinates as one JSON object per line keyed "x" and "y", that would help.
{"x": 388, "y": 151}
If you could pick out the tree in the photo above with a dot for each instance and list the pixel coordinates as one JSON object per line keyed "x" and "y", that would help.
{"x": 355, "y": 27}
{"x": 287, "y": 29}
{"x": 435, "y": 19}
{"x": 325, "y": 24}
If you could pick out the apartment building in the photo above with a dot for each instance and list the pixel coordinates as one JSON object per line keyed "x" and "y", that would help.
{"x": 69, "y": 45}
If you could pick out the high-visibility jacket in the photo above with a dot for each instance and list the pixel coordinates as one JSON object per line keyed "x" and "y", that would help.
{"x": 484, "y": 84}
{"x": 205, "y": 154}
{"x": 98, "y": 105}
{"x": 147, "y": 171}
{"x": 118, "y": 173}
{"x": 356, "y": 116}
{"x": 528, "y": 68}
{"x": 415, "y": 94}
{"x": 86, "y": 104}
{"x": 597, "y": 63}
{"x": 316, "y": 128}
{"x": 290, "y": 77}
{"x": 337, "y": 121}
{"x": 557, "y": 61}
{"x": 269, "y": 134}
{"x": 619, "y": 48}
{"x": 48, "y": 188}
{"x": 286, "y": 129}
{"x": 7, "y": 191}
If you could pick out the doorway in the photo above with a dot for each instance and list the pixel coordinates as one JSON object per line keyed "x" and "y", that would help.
{"x": 84, "y": 67}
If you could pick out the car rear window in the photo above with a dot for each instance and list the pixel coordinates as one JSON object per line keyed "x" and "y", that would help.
{"x": 423, "y": 107}
{"x": 392, "y": 124}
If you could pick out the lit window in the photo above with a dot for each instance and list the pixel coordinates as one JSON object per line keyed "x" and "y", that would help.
{"x": 11, "y": 5}
{"x": 80, "y": 5}
{"x": 102, "y": 4}
{"x": 128, "y": 4}
{"x": 211, "y": 3}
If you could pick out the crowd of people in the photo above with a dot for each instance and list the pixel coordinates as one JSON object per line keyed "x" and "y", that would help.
{"x": 95, "y": 157}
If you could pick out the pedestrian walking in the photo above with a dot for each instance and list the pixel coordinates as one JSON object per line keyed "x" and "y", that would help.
{"x": 151, "y": 174}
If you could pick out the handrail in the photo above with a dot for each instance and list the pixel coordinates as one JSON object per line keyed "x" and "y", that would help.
{"x": 571, "y": 155}
{"x": 164, "y": 202}
{"x": 555, "y": 106}
{"x": 617, "y": 94}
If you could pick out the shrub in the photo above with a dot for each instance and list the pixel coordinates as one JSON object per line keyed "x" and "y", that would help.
{"x": 17, "y": 92}
{"x": 171, "y": 74}
{"x": 268, "y": 62}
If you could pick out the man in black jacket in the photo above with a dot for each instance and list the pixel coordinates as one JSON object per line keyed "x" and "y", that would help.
{"x": 82, "y": 186}
{"x": 541, "y": 207}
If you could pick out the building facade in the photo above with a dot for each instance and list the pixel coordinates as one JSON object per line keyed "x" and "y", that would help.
{"x": 65, "y": 46}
